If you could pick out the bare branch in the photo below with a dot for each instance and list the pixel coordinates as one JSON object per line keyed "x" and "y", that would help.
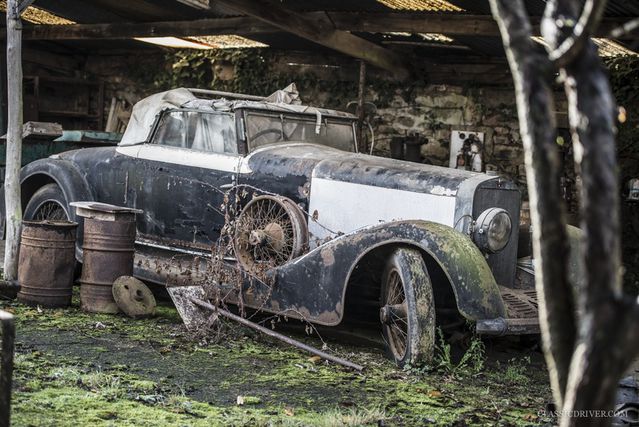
{"x": 564, "y": 52}
{"x": 624, "y": 29}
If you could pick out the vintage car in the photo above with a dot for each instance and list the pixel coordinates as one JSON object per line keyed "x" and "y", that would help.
{"x": 343, "y": 235}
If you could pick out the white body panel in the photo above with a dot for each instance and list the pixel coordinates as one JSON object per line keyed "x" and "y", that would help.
{"x": 346, "y": 207}
{"x": 186, "y": 157}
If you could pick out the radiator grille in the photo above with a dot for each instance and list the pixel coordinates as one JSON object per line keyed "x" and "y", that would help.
{"x": 488, "y": 195}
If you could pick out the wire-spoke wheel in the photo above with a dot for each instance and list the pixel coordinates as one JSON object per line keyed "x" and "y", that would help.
{"x": 50, "y": 210}
{"x": 269, "y": 232}
{"x": 407, "y": 311}
{"x": 48, "y": 203}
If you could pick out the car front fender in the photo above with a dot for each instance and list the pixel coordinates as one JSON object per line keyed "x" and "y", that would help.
{"x": 313, "y": 286}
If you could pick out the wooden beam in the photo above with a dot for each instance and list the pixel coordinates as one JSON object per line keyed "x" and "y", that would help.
{"x": 321, "y": 31}
{"x": 452, "y": 25}
{"x": 467, "y": 25}
{"x": 129, "y": 30}
{"x": 24, "y": 4}
{"x": 449, "y": 24}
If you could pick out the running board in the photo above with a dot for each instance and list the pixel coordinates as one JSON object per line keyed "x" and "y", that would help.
{"x": 522, "y": 314}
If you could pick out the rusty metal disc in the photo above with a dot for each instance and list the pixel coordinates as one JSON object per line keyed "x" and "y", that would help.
{"x": 133, "y": 297}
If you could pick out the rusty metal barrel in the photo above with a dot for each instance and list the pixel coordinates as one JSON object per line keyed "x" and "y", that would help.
{"x": 46, "y": 263}
{"x": 107, "y": 252}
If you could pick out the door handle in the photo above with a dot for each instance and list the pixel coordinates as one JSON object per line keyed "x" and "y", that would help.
{"x": 227, "y": 186}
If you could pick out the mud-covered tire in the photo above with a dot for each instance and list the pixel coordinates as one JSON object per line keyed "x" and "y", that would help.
{"x": 50, "y": 195}
{"x": 417, "y": 303}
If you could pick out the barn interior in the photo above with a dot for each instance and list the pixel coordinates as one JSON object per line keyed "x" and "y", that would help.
{"x": 426, "y": 80}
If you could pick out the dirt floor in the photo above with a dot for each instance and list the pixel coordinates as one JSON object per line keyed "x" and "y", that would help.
{"x": 75, "y": 368}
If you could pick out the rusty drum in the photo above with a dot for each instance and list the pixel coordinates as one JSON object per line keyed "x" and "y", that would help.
{"x": 46, "y": 263}
{"x": 108, "y": 250}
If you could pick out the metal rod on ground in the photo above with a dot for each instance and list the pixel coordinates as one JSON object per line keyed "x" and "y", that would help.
{"x": 277, "y": 335}
{"x": 6, "y": 366}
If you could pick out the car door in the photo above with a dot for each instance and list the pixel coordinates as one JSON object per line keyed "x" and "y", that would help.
{"x": 184, "y": 170}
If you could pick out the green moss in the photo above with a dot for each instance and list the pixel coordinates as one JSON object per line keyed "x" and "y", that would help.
{"x": 152, "y": 372}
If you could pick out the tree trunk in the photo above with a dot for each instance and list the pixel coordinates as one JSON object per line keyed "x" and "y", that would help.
{"x": 531, "y": 73}
{"x": 14, "y": 141}
{"x": 589, "y": 333}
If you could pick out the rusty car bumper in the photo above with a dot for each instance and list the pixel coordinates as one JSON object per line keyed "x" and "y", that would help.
{"x": 506, "y": 326}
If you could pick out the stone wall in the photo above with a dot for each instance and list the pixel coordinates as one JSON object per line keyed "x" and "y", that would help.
{"x": 437, "y": 110}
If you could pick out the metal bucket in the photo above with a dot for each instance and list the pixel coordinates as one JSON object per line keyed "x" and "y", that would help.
{"x": 108, "y": 251}
{"x": 46, "y": 263}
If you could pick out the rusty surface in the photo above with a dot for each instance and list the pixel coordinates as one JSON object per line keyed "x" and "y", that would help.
{"x": 47, "y": 262}
{"x": 108, "y": 250}
{"x": 270, "y": 231}
{"x": 6, "y": 366}
{"x": 133, "y": 297}
{"x": 520, "y": 303}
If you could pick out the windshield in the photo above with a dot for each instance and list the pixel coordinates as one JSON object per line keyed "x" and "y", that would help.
{"x": 195, "y": 130}
{"x": 263, "y": 129}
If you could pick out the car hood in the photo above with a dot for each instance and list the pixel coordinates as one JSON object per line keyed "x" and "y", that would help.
{"x": 317, "y": 161}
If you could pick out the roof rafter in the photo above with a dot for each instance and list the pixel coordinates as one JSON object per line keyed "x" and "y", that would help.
{"x": 321, "y": 31}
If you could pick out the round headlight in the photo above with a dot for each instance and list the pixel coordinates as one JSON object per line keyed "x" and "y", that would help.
{"x": 492, "y": 230}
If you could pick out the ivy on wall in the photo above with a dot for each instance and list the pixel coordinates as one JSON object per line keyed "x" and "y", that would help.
{"x": 624, "y": 79}
{"x": 255, "y": 74}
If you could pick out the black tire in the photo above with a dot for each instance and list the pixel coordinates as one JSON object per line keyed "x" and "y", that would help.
{"x": 47, "y": 203}
{"x": 408, "y": 319}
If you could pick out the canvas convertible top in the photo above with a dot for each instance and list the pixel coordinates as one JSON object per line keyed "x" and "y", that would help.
{"x": 145, "y": 111}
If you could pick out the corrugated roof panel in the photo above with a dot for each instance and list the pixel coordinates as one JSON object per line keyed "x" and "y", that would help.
{"x": 39, "y": 16}
{"x": 609, "y": 48}
{"x": 422, "y": 5}
{"x": 228, "y": 42}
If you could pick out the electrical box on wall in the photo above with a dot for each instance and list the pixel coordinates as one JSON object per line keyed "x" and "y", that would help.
{"x": 466, "y": 150}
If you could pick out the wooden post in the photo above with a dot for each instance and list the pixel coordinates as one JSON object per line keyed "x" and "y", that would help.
{"x": 361, "y": 92}
{"x": 14, "y": 141}
{"x": 7, "y": 325}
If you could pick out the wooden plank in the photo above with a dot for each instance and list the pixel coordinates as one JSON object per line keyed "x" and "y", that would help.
{"x": 321, "y": 31}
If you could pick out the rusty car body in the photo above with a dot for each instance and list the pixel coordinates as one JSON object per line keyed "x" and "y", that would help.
{"x": 413, "y": 245}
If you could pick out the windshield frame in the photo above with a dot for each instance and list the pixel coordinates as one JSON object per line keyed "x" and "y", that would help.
{"x": 306, "y": 117}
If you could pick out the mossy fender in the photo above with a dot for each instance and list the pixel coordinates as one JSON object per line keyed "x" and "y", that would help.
{"x": 473, "y": 283}
{"x": 330, "y": 265}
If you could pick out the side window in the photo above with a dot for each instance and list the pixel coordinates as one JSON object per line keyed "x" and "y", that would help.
{"x": 197, "y": 130}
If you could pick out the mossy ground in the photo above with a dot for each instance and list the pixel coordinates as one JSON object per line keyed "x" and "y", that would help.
{"x": 75, "y": 368}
